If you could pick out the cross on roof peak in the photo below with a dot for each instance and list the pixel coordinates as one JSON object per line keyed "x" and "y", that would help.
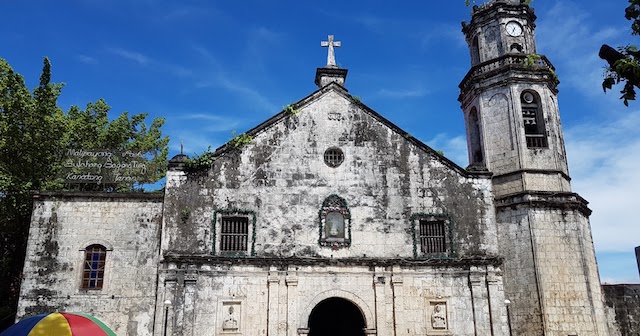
{"x": 331, "y": 58}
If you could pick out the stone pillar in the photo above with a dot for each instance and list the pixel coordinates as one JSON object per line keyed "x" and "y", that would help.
{"x": 479, "y": 293}
{"x": 273, "y": 283}
{"x": 167, "y": 314}
{"x": 496, "y": 297}
{"x": 189, "y": 302}
{"x": 292, "y": 302}
{"x": 383, "y": 326}
{"x": 283, "y": 304}
{"x": 638, "y": 257}
{"x": 398, "y": 302}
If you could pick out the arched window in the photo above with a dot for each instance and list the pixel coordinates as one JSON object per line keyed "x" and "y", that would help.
{"x": 534, "y": 127}
{"x": 335, "y": 222}
{"x": 95, "y": 257}
{"x": 474, "y": 137}
{"x": 475, "y": 51}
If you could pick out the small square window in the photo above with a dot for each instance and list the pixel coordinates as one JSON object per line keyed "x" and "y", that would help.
{"x": 432, "y": 236}
{"x": 234, "y": 232}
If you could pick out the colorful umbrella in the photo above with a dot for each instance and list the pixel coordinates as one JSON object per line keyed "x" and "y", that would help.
{"x": 59, "y": 324}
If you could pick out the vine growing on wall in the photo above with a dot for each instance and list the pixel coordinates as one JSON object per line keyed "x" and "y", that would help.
{"x": 200, "y": 162}
{"x": 240, "y": 140}
{"x": 532, "y": 59}
{"x": 291, "y": 110}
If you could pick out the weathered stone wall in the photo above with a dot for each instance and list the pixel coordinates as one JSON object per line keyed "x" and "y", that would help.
{"x": 385, "y": 179}
{"x": 62, "y": 226}
{"x": 503, "y": 138}
{"x": 555, "y": 271}
{"x": 623, "y": 309}
{"x": 278, "y": 300}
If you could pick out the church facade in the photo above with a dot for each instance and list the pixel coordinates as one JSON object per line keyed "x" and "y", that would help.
{"x": 331, "y": 220}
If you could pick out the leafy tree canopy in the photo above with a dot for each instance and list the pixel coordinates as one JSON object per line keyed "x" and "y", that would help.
{"x": 624, "y": 63}
{"x": 34, "y": 136}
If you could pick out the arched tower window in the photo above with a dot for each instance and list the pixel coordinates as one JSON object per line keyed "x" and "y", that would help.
{"x": 475, "y": 51}
{"x": 533, "y": 120}
{"x": 474, "y": 137}
{"x": 95, "y": 257}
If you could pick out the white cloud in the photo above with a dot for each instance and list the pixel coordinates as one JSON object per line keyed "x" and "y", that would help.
{"x": 210, "y": 122}
{"x": 402, "y": 93}
{"x": 603, "y": 161}
{"x": 147, "y": 61}
{"x": 455, "y": 149}
{"x": 86, "y": 59}
{"x": 131, "y": 55}
{"x": 571, "y": 38}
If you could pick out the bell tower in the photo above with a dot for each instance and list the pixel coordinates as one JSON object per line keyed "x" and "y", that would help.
{"x": 509, "y": 100}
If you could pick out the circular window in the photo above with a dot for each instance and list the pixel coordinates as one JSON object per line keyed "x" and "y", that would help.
{"x": 333, "y": 157}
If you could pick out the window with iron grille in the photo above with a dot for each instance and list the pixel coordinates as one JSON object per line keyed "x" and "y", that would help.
{"x": 234, "y": 234}
{"x": 333, "y": 157}
{"x": 95, "y": 257}
{"x": 432, "y": 236}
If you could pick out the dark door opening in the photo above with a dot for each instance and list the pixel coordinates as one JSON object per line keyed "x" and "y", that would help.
{"x": 336, "y": 317}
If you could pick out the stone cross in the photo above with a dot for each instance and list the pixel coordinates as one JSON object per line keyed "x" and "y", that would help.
{"x": 331, "y": 58}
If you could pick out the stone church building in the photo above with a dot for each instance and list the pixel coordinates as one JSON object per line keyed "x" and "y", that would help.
{"x": 334, "y": 221}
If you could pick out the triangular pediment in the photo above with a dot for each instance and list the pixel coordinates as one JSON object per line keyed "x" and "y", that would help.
{"x": 334, "y": 92}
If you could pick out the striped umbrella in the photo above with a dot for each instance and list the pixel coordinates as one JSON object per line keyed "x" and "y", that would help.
{"x": 59, "y": 324}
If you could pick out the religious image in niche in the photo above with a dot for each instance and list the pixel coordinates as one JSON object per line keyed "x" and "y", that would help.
{"x": 439, "y": 317}
{"x": 334, "y": 222}
{"x": 230, "y": 322}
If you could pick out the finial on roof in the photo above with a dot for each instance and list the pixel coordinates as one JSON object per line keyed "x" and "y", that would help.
{"x": 331, "y": 57}
{"x": 181, "y": 147}
{"x": 330, "y": 73}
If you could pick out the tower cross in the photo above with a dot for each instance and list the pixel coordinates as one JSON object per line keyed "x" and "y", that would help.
{"x": 331, "y": 58}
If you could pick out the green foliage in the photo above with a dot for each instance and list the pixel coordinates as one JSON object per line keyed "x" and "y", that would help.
{"x": 200, "y": 162}
{"x": 240, "y": 140}
{"x": 624, "y": 64}
{"x": 291, "y": 110}
{"x": 357, "y": 99}
{"x": 91, "y": 129}
{"x": 185, "y": 213}
{"x": 34, "y": 136}
{"x": 532, "y": 60}
{"x": 625, "y": 70}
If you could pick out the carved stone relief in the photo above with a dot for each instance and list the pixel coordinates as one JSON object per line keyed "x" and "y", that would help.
{"x": 438, "y": 317}
{"x": 231, "y": 317}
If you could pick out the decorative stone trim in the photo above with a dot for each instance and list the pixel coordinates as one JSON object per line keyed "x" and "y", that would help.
{"x": 546, "y": 200}
{"x": 342, "y": 237}
{"x": 203, "y": 260}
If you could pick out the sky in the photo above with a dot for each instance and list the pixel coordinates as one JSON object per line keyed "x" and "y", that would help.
{"x": 211, "y": 68}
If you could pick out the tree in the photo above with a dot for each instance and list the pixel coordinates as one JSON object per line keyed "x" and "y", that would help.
{"x": 34, "y": 135}
{"x": 624, "y": 63}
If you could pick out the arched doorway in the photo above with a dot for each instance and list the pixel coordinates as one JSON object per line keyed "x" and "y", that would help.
{"x": 336, "y": 317}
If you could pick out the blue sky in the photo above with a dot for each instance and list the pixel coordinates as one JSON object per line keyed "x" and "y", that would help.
{"x": 212, "y": 67}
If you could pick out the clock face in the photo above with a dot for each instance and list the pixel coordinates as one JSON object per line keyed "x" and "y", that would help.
{"x": 514, "y": 28}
